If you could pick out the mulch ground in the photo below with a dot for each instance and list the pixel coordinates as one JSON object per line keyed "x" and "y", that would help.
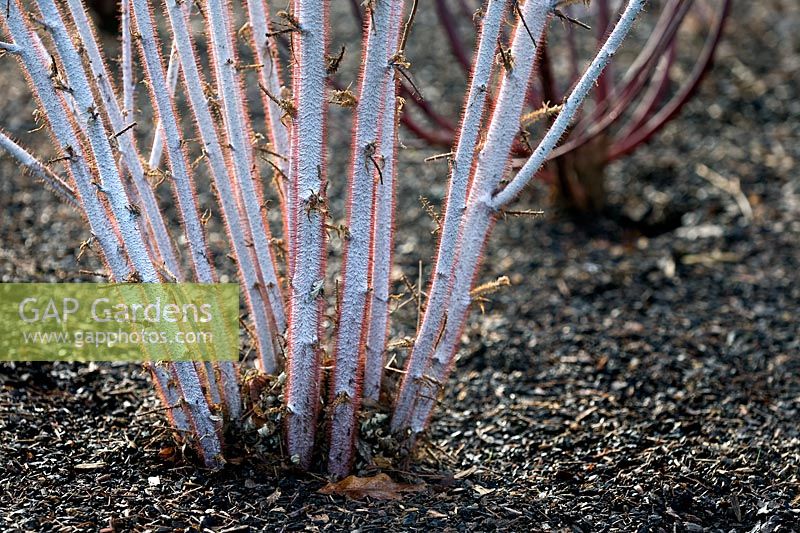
{"x": 632, "y": 379}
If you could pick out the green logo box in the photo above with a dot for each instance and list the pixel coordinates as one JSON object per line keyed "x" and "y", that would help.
{"x": 119, "y": 322}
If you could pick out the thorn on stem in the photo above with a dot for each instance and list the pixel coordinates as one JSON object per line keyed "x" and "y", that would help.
{"x": 407, "y": 28}
{"x": 287, "y": 24}
{"x": 437, "y": 157}
{"x": 545, "y": 111}
{"x": 85, "y": 246}
{"x": 69, "y": 157}
{"x": 341, "y": 399}
{"x": 563, "y": 16}
{"x": 344, "y": 98}
{"x": 318, "y": 289}
{"x": 125, "y": 129}
{"x": 379, "y": 162}
{"x": 286, "y": 104}
{"x": 529, "y": 213}
{"x": 333, "y": 62}
{"x": 506, "y": 58}
{"x": 58, "y": 81}
{"x": 134, "y": 210}
{"x": 315, "y": 203}
{"x": 480, "y": 293}
{"x": 524, "y": 23}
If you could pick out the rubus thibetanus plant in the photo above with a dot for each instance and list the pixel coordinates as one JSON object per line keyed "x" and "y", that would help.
{"x": 632, "y": 102}
{"x": 103, "y": 172}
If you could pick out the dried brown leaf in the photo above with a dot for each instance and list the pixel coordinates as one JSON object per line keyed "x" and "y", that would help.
{"x": 379, "y": 487}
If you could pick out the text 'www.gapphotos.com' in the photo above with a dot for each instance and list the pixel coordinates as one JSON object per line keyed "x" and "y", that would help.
{"x": 110, "y": 339}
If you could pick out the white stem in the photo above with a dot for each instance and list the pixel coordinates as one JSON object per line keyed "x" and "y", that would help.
{"x": 194, "y": 401}
{"x": 170, "y": 395}
{"x": 223, "y": 182}
{"x": 504, "y": 125}
{"x": 60, "y": 187}
{"x": 128, "y": 81}
{"x": 201, "y": 420}
{"x": 461, "y": 170}
{"x": 308, "y": 274}
{"x": 111, "y": 183}
{"x": 355, "y": 287}
{"x": 270, "y": 74}
{"x": 11, "y": 48}
{"x": 227, "y": 380}
{"x": 59, "y": 117}
{"x": 489, "y": 168}
{"x": 480, "y": 214}
{"x": 55, "y": 108}
{"x": 478, "y": 221}
{"x": 127, "y": 142}
{"x": 571, "y": 106}
{"x": 383, "y": 227}
{"x": 68, "y": 97}
{"x": 191, "y": 397}
{"x": 240, "y": 141}
{"x": 173, "y": 70}
{"x": 207, "y": 371}
{"x": 181, "y": 176}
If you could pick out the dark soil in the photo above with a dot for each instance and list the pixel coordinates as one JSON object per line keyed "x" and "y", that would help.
{"x": 630, "y": 380}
